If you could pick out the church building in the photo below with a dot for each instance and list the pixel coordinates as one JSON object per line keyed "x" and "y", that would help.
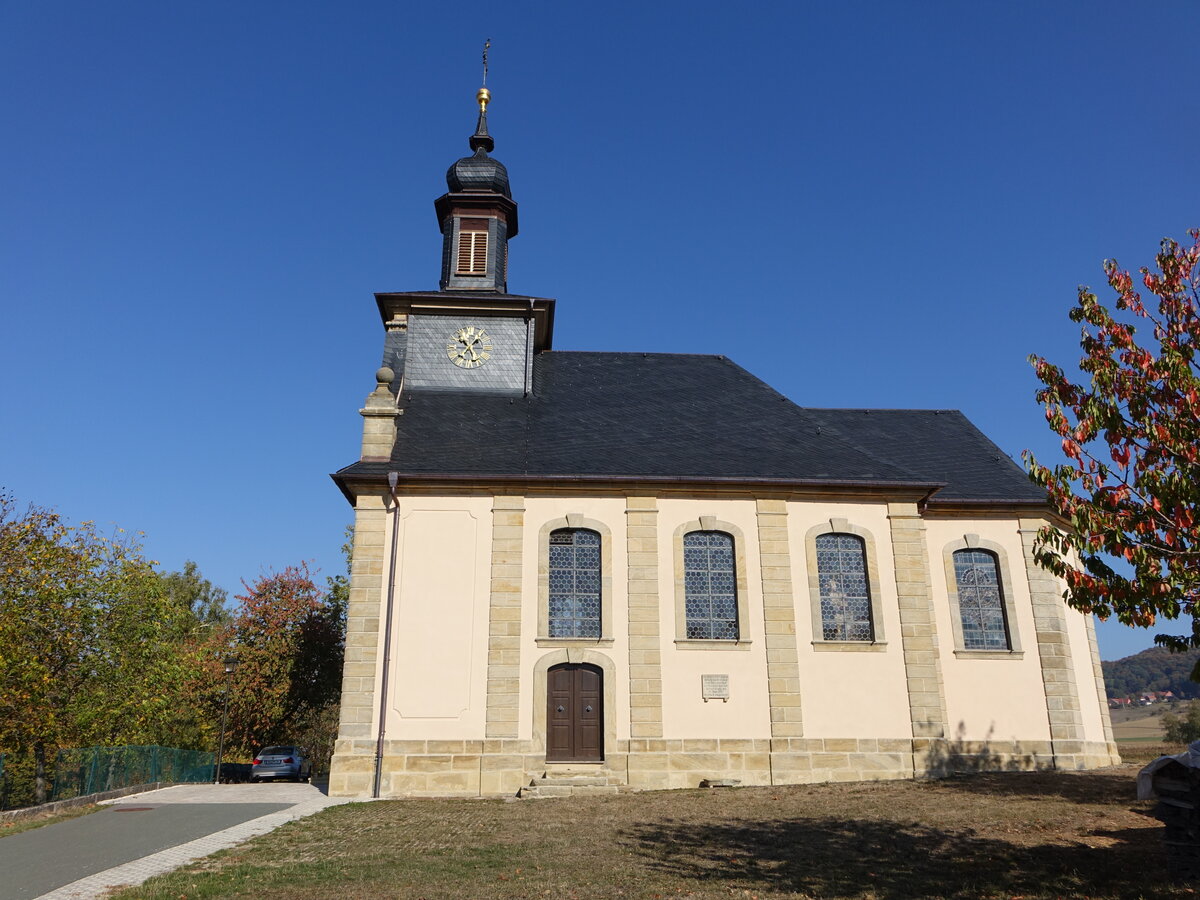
{"x": 580, "y": 571}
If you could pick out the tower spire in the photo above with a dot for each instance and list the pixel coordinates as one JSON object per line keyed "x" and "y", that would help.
{"x": 477, "y": 214}
{"x": 481, "y": 140}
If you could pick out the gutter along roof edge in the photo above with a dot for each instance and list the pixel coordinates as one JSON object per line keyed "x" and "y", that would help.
{"x": 344, "y": 479}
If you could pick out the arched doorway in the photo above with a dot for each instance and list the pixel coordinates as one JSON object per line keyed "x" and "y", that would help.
{"x": 575, "y": 714}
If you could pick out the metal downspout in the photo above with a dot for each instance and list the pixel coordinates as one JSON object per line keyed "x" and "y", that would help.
{"x": 387, "y": 636}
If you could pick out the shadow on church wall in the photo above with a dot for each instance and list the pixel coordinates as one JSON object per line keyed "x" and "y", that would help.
{"x": 939, "y": 758}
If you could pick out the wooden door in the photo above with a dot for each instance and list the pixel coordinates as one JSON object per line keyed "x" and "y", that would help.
{"x": 574, "y": 714}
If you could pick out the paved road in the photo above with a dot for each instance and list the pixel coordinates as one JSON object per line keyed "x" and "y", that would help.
{"x": 143, "y": 835}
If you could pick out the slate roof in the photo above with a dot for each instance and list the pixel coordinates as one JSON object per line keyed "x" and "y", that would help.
{"x": 627, "y": 416}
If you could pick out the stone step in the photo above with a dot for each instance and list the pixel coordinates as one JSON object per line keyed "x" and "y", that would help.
{"x": 572, "y": 780}
{"x": 539, "y": 790}
{"x": 580, "y": 775}
{"x": 563, "y": 780}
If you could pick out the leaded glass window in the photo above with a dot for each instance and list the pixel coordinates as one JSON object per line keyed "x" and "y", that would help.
{"x": 710, "y": 586}
{"x": 574, "y": 583}
{"x": 980, "y": 603}
{"x": 845, "y": 597}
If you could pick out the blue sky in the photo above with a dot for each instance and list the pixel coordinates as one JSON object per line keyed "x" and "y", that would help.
{"x": 865, "y": 204}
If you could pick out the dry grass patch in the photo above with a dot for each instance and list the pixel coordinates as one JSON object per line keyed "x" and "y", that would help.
{"x": 1035, "y": 835}
{"x": 28, "y": 823}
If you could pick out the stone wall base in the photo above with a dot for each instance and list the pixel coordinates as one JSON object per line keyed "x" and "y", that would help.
{"x": 1085, "y": 754}
{"x": 500, "y": 768}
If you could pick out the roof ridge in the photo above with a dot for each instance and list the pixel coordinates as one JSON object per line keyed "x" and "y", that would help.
{"x": 556, "y": 352}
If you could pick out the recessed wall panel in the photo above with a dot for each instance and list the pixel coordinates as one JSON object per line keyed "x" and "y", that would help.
{"x": 435, "y": 614}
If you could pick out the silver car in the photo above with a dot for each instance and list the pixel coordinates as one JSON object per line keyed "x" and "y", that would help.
{"x": 281, "y": 762}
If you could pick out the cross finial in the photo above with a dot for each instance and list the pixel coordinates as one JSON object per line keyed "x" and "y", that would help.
{"x": 483, "y": 95}
{"x": 481, "y": 140}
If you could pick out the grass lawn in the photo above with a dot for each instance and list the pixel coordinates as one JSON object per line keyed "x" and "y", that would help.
{"x": 1030, "y": 835}
{"x": 16, "y": 826}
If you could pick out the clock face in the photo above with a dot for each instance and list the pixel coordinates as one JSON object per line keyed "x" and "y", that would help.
{"x": 469, "y": 347}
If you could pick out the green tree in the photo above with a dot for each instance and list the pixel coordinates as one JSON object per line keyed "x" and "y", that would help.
{"x": 1131, "y": 433}
{"x": 89, "y": 642}
{"x": 1154, "y": 669}
{"x": 337, "y": 587}
{"x": 1184, "y": 730}
{"x": 191, "y": 591}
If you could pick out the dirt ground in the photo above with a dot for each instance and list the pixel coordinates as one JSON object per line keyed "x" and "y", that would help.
{"x": 1033, "y": 835}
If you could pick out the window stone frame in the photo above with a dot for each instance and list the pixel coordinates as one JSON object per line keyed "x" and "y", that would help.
{"x": 974, "y": 542}
{"x": 682, "y": 641}
{"x": 837, "y": 525}
{"x": 573, "y": 521}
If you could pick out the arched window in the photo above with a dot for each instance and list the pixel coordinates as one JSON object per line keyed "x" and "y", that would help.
{"x": 710, "y": 586}
{"x": 842, "y": 581}
{"x": 980, "y": 601}
{"x": 574, "y": 583}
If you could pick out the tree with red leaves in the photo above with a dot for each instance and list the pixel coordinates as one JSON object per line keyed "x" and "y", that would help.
{"x": 287, "y": 635}
{"x": 1131, "y": 487}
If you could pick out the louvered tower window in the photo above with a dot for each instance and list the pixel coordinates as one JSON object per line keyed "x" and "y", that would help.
{"x": 472, "y": 247}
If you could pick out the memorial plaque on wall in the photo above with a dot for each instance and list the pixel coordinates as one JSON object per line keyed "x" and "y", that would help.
{"x": 714, "y": 687}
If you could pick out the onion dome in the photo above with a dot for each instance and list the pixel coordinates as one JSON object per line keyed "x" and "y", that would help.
{"x": 479, "y": 173}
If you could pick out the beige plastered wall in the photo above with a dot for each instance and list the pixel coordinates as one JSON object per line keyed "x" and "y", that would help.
{"x": 437, "y": 687}
{"x": 992, "y": 698}
{"x": 854, "y": 701}
{"x": 685, "y": 712}
{"x": 849, "y": 692}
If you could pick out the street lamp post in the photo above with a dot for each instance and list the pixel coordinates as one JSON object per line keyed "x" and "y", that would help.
{"x": 230, "y": 665}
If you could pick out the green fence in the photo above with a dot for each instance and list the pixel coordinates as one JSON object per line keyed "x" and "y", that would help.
{"x": 79, "y": 771}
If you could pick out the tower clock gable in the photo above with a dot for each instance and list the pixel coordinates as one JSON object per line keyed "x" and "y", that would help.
{"x": 466, "y": 352}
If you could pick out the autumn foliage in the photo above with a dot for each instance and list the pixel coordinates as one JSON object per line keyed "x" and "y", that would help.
{"x": 99, "y": 648}
{"x": 1131, "y": 434}
{"x": 92, "y": 649}
{"x": 287, "y": 638}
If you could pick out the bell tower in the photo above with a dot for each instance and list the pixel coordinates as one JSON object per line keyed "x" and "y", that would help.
{"x": 477, "y": 215}
{"x": 470, "y": 336}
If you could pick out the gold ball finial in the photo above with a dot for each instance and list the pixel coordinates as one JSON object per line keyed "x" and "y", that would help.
{"x": 484, "y": 96}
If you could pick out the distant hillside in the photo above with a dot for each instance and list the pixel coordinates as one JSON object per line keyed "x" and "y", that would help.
{"x": 1152, "y": 670}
